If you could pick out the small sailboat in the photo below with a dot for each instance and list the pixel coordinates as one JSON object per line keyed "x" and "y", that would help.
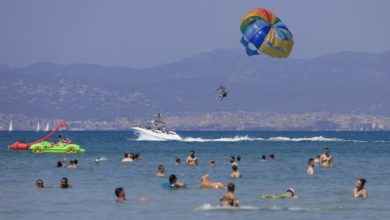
{"x": 10, "y": 128}
{"x": 37, "y": 129}
{"x": 46, "y": 128}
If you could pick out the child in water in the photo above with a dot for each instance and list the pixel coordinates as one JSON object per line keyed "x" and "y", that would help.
{"x": 229, "y": 199}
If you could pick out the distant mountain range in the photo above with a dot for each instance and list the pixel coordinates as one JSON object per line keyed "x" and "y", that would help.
{"x": 346, "y": 82}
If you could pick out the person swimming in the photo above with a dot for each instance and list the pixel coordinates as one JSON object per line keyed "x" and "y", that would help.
{"x": 205, "y": 182}
{"x": 229, "y": 199}
{"x": 326, "y": 160}
{"x": 290, "y": 194}
{"x": 310, "y": 169}
{"x": 359, "y": 190}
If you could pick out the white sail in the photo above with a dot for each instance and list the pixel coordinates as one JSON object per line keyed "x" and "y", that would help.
{"x": 38, "y": 129}
{"x": 46, "y": 128}
{"x": 10, "y": 128}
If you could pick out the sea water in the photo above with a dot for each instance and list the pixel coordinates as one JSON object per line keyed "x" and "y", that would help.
{"x": 325, "y": 195}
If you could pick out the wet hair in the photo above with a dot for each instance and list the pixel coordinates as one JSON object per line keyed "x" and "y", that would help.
{"x": 178, "y": 159}
{"x": 192, "y": 152}
{"x": 118, "y": 191}
{"x": 263, "y": 157}
{"x": 238, "y": 157}
{"x": 59, "y": 164}
{"x": 310, "y": 160}
{"x": 234, "y": 168}
{"x": 232, "y": 157}
{"x": 172, "y": 178}
{"x": 271, "y": 155}
{"x": 212, "y": 161}
{"x": 363, "y": 181}
{"x": 75, "y": 161}
{"x": 40, "y": 182}
{"x": 230, "y": 187}
{"x": 160, "y": 166}
{"x": 126, "y": 154}
{"x": 64, "y": 185}
{"x": 71, "y": 162}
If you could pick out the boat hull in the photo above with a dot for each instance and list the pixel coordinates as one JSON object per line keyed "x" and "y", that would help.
{"x": 153, "y": 134}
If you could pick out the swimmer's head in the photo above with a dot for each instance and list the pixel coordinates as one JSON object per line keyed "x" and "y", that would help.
{"x": 362, "y": 182}
{"x": 120, "y": 192}
{"x": 172, "y": 178}
{"x": 291, "y": 190}
{"x": 230, "y": 187}
{"x": 205, "y": 177}
{"x": 59, "y": 164}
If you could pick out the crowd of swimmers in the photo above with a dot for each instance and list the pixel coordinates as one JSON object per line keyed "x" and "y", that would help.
{"x": 130, "y": 157}
{"x": 68, "y": 163}
{"x": 228, "y": 199}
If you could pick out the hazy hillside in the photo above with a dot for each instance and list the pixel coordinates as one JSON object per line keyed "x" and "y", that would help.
{"x": 347, "y": 82}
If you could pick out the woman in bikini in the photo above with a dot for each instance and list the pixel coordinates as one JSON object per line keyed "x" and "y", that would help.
{"x": 359, "y": 190}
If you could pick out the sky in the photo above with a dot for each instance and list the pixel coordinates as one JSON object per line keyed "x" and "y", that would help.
{"x": 149, "y": 33}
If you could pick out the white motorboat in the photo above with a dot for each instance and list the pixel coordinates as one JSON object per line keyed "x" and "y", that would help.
{"x": 157, "y": 131}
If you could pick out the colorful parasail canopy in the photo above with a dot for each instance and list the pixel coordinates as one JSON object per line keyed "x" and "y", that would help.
{"x": 263, "y": 30}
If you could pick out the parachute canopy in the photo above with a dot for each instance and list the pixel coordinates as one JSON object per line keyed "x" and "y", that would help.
{"x": 267, "y": 33}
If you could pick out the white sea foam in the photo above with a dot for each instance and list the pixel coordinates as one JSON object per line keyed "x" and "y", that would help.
{"x": 247, "y": 138}
{"x": 209, "y": 207}
{"x": 273, "y": 139}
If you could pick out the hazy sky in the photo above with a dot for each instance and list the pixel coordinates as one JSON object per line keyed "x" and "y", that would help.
{"x": 148, "y": 33}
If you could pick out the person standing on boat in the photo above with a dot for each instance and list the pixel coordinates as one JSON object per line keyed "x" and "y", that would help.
{"x": 192, "y": 160}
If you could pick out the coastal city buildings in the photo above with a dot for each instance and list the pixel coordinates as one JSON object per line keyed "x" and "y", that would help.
{"x": 216, "y": 121}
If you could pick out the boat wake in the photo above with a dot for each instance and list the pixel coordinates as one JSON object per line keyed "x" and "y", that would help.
{"x": 270, "y": 139}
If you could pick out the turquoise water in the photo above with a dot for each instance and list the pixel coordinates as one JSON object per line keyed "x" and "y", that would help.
{"x": 326, "y": 194}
